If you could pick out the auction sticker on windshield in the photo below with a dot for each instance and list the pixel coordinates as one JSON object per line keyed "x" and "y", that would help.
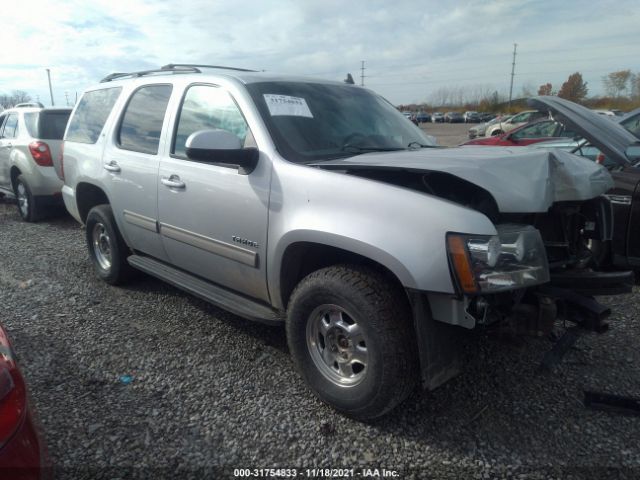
{"x": 286, "y": 105}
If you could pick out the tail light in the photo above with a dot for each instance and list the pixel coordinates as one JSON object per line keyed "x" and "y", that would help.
{"x": 61, "y": 161}
{"x": 600, "y": 158}
{"x": 13, "y": 397}
{"x": 41, "y": 153}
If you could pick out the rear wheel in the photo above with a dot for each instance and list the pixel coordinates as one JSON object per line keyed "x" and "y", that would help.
{"x": 26, "y": 201}
{"x": 350, "y": 334}
{"x": 107, "y": 249}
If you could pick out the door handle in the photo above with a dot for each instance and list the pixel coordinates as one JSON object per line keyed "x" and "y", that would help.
{"x": 112, "y": 166}
{"x": 173, "y": 182}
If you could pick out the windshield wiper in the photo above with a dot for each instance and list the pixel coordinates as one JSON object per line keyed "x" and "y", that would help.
{"x": 417, "y": 145}
{"x": 358, "y": 149}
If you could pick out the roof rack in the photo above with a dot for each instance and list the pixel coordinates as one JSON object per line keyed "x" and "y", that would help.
{"x": 29, "y": 104}
{"x": 141, "y": 73}
{"x": 170, "y": 68}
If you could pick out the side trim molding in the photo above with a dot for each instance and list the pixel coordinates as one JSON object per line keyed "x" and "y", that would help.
{"x": 141, "y": 221}
{"x": 227, "y": 250}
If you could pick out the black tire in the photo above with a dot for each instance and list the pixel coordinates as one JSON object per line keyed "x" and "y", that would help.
{"x": 26, "y": 202}
{"x": 381, "y": 311}
{"x": 105, "y": 243}
{"x": 496, "y": 132}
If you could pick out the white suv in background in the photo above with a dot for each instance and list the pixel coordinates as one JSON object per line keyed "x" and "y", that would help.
{"x": 30, "y": 140}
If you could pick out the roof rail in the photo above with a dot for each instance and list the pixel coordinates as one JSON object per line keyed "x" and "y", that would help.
{"x": 141, "y": 73}
{"x": 195, "y": 65}
{"x": 28, "y": 104}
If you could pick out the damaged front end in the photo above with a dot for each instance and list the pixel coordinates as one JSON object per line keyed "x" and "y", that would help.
{"x": 575, "y": 237}
{"x": 547, "y": 260}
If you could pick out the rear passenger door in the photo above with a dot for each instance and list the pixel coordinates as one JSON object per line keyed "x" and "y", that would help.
{"x": 213, "y": 220}
{"x": 130, "y": 167}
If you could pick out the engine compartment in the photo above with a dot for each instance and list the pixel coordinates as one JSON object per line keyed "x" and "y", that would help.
{"x": 575, "y": 233}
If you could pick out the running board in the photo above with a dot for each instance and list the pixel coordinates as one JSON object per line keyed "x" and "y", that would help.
{"x": 207, "y": 291}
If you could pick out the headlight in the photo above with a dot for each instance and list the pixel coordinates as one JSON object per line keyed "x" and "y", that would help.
{"x": 515, "y": 258}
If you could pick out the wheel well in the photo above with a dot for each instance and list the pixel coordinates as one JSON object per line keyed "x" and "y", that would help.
{"x": 300, "y": 259}
{"x": 15, "y": 173}
{"x": 87, "y": 197}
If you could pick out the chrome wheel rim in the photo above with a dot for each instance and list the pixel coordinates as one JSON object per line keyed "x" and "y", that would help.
{"x": 337, "y": 345}
{"x": 101, "y": 245}
{"x": 23, "y": 199}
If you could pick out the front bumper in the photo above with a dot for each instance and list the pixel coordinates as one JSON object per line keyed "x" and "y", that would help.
{"x": 588, "y": 282}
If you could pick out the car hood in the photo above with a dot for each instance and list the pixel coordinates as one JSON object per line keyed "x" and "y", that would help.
{"x": 520, "y": 180}
{"x": 609, "y": 137}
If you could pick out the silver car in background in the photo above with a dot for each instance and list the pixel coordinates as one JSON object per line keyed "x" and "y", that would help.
{"x": 30, "y": 140}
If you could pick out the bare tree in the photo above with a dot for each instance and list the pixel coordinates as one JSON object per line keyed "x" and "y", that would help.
{"x": 17, "y": 96}
{"x": 616, "y": 83}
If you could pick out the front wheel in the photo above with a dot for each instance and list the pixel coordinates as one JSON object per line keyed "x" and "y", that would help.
{"x": 107, "y": 249}
{"x": 350, "y": 334}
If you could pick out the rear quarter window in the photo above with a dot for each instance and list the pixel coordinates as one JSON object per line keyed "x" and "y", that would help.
{"x": 92, "y": 112}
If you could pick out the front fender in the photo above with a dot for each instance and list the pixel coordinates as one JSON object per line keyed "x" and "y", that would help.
{"x": 402, "y": 229}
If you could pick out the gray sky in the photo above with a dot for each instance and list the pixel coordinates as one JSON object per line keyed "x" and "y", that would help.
{"x": 411, "y": 48}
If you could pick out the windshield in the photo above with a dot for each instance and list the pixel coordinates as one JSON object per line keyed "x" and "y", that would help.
{"x": 311, "y": 121}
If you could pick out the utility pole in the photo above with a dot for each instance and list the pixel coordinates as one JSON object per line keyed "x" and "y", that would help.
{"x": 513, "y": 69}
{"x": 362, "y": 69}
{"x": 66, "y": 97}
{"x": 50, "y": 89}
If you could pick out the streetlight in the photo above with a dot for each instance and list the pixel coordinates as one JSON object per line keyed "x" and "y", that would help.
{"x": 50, "y": 89}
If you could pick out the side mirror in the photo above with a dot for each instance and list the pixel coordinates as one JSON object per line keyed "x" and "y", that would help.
{"x": 633, "y": 153}
{"x": 221, "y": 147}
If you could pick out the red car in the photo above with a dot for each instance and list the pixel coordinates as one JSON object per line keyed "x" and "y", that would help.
{"x": 23, "y": 454}
{"x": 539, "y": 131}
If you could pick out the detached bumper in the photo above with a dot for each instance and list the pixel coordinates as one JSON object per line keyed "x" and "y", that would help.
{"x": 594, "y": 283}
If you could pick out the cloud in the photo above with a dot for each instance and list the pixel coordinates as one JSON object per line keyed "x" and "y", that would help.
{"x": 411, "y": 47}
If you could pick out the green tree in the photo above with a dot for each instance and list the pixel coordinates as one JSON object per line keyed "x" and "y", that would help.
{"x": 545, "y": 89}
{"x": 616, "y": 83}
{"x": 574, "y": 89}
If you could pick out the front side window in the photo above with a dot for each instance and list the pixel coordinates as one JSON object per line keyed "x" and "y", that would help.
{"x": 536, "y": 130}
{"x": 143, "y": 117}
{"x": 91, "y": 114}
{"x": 11, "y": 126}
{"x": 206, "y": 107}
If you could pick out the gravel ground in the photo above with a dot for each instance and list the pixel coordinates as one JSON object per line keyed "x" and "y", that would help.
{"x": 211, "y": 392}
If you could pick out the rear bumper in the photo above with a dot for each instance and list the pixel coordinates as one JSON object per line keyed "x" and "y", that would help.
{"x": 594, "y": 283}
{"x": 69, "y": 198}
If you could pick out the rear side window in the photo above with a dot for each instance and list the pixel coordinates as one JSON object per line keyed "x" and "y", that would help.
{"x": 141, "y": 123}
{"x": 91, "y": 114}
{"x": 11, "y": 126}
{"x": 47, "y": 125}
{"x": 633, "y": 125}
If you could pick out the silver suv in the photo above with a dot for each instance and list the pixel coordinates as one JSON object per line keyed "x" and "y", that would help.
{"x": 30, "y": 141}
{"x": 317, "y": 205}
